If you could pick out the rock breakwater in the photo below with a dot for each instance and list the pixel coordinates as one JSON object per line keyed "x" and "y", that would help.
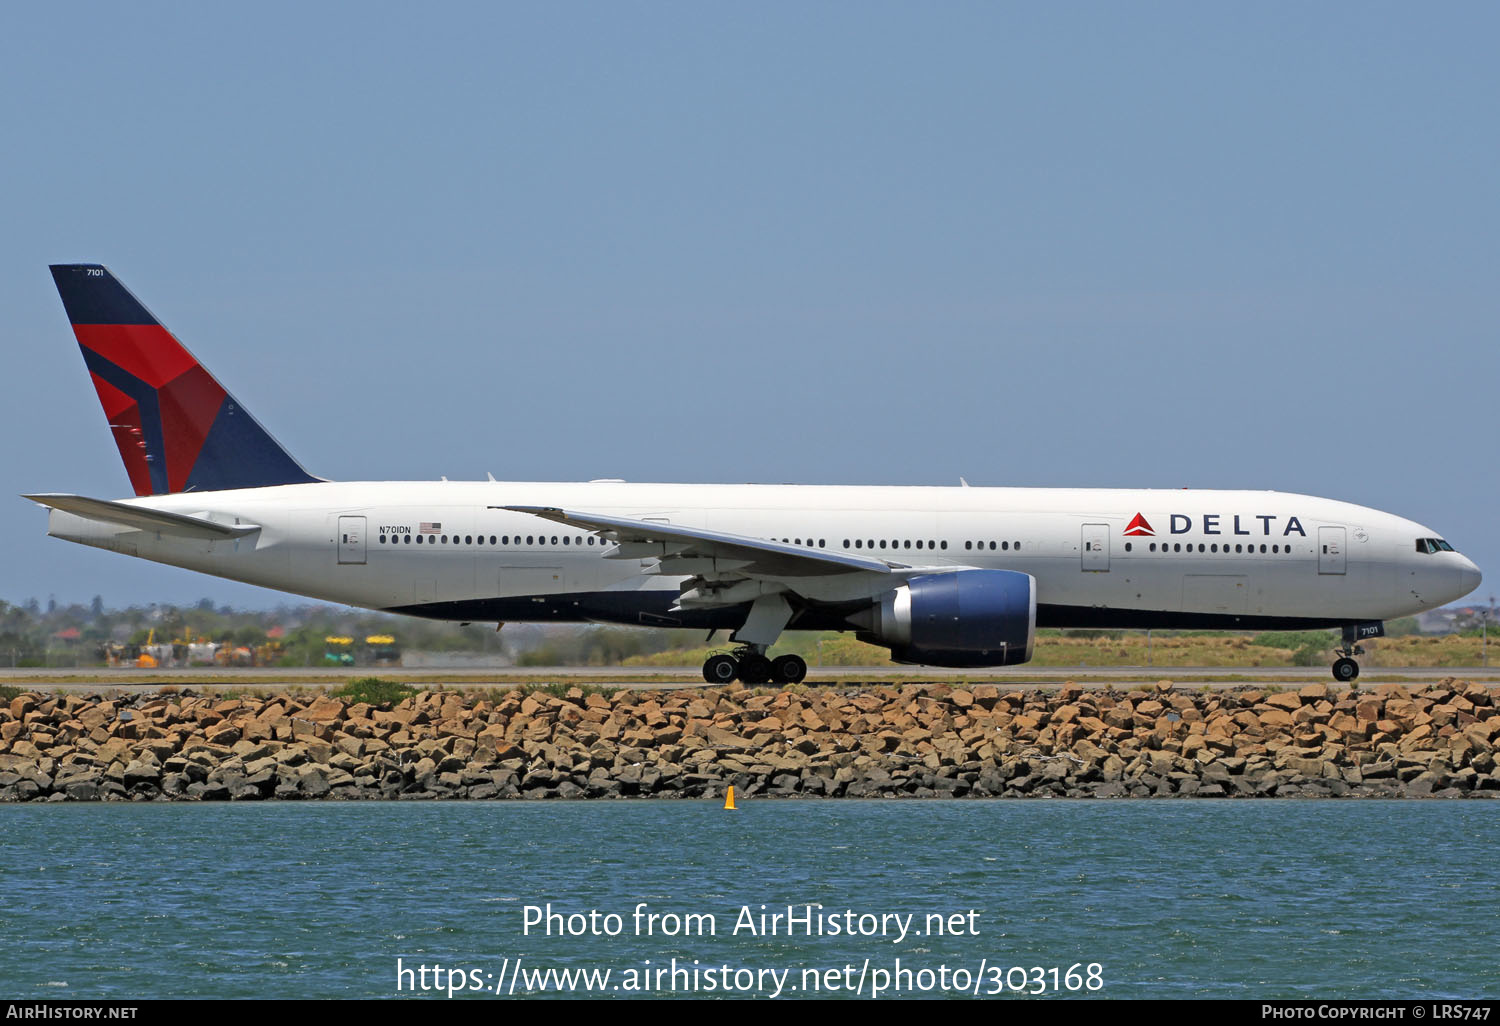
{"x": 919, "y": 740}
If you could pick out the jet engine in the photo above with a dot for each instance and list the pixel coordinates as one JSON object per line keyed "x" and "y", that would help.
{"x": 963, "y": 618}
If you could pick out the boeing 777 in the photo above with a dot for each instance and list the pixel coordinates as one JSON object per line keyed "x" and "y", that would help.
{"x": 940, "y": 576}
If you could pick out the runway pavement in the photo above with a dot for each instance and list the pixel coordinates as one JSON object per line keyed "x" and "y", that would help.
{"x": 94, "y": 679}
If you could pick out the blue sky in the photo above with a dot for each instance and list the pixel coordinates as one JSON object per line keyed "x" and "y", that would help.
{"x": 1068, "y": 244}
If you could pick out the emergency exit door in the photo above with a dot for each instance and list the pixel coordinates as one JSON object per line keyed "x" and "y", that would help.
{"x": 351, "y": 539}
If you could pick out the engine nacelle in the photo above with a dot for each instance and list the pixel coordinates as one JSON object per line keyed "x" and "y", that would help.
{"x": 963, "y": 618}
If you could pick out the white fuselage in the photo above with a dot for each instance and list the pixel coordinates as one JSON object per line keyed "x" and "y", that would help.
{"x": 1192, "y": 558}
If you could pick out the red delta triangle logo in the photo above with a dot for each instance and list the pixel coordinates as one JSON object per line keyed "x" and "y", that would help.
{"x": 1139, "y": 527}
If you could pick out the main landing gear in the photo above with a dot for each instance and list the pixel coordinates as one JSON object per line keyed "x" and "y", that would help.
{"x": 1345, "y": 668}
{"x": 750, "y": 666}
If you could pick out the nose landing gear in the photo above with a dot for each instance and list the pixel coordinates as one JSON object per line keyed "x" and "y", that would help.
{"x": 1345, "y": 668}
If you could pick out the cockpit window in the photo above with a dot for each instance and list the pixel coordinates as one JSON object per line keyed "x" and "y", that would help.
{"x": 1429, "y": 545}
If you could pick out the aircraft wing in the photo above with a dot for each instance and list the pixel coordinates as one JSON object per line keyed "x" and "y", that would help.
{"x": 694, "y": 551}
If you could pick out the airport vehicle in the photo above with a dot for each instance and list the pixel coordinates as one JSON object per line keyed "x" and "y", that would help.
{"x": 942, "y": 576}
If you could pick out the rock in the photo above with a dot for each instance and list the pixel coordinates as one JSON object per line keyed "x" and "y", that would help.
{"x": 225, "y": 735}
{"x": 1276, "y": 720}
{"x": 142, "y": 771}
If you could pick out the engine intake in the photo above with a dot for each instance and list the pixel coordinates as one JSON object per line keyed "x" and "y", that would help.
{"x": 963, "y": 618}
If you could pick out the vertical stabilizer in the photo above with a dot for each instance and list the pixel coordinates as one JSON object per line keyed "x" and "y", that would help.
{"x": 176, "y": 427}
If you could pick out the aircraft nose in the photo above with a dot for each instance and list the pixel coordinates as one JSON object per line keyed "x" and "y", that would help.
{"x": 1469, "y": 576}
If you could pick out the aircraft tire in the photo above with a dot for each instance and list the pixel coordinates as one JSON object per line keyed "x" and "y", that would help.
{"x": 755, "y": 669}
{"x": 720, "y": 669}
{"x": 1345, "y": 670}
{"x": 788, "y": 669}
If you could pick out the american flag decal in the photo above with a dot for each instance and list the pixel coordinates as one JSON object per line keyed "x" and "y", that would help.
{"x": 427, "y": 528}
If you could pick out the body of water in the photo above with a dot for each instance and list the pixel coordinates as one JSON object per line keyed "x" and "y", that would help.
{"x": 1249, "y": 899}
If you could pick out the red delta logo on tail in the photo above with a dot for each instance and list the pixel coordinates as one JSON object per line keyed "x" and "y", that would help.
{"x": 1139, "y": 527}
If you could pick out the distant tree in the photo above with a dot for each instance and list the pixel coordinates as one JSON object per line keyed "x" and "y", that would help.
{"x": 96, "y": 607}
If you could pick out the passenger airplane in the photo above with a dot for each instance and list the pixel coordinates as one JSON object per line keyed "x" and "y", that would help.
{"x": 940, "y": 576}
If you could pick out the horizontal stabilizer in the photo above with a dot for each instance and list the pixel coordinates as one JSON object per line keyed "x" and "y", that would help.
{"x": 143, "y": 518}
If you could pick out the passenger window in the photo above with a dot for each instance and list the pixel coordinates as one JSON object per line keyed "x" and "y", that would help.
{"x": 1127, "y": 546}
{"x": 408, "y": 539}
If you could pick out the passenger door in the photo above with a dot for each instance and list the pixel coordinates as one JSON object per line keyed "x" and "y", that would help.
{"x": 1331, "y": 550}
{"x": 1095, "y": 548}
{"x": 351, "y": 540}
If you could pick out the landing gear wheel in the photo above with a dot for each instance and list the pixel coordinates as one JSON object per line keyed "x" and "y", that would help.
{"x": 788, "y": 669}
{"x": 720, "y": 669}
{"x": 1345, "y": 670}
{"x": 755, "y": 669}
